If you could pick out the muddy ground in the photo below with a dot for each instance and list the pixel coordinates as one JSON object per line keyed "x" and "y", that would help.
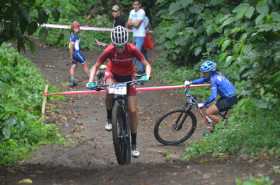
{"x": 88, "y": 156}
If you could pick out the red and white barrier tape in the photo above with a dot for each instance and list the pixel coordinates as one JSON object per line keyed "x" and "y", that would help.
{"x": 87, "y": 28}
{"x": 139, "y": 89}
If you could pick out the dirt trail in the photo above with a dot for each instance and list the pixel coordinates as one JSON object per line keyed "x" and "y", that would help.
{"x": 89, "y": 158}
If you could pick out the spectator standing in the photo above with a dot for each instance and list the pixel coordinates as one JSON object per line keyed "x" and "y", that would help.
{"x": 118, "y": 20}
{"x": 136, "y": 23}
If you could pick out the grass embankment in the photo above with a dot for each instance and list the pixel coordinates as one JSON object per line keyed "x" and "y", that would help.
{"x": 21, "y": 87}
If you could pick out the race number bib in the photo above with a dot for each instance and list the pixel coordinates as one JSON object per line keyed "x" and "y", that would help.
{"x": 119, "y": 89}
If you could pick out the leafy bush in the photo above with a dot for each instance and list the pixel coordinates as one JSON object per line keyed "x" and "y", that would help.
{"x": 254, "y": 181}
{"x": 21, "y": 88}
{"x": 21, "y": 18}
{"x": 244, "y": 39}
{"x": 249, "y": 130}
{"x": 168, "y": 73}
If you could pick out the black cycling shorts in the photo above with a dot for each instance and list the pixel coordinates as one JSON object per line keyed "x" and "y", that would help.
{"x": 224, "y": 104}
{"x": 119, "y": 78}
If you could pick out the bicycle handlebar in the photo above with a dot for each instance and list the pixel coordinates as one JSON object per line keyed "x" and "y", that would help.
{"x": 190, "y": 98}
{"x": 131, "y": 82}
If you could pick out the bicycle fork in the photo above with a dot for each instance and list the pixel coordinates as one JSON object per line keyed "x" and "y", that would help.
{"x": 180, "y": 120}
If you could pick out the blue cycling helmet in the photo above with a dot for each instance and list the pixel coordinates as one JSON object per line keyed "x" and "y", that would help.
{"x": 208, "y": 66}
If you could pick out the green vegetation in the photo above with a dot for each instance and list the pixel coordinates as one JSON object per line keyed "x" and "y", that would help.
{"x": 19, "y": 19}
{"x": 168, "y": 73}
{"x": 95, "y": 13}
{"x": 70, "y": 10}
{"x": 254, "y": 181}
{"x": 249, "y": 130}
{"x": 21, "y": 88}
{"x": 244, "y": 39}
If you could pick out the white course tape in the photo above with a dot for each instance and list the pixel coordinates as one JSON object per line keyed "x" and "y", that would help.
{"x": 87, "y": 28}
{"x": 82, "y": 27}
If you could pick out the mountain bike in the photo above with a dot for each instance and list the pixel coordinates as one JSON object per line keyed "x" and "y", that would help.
{"x": 120, "y": 122}
{"x": 176, "y": 126}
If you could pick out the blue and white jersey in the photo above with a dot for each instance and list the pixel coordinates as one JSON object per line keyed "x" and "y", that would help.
{"x": 220, "y": 85}
{"x": 74, "y": 38}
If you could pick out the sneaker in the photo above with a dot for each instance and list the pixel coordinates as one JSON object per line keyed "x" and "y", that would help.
{"x": 134, "y": 152}
{"x": 72, "y": 82}
{"x": 208, "y": 130}
{"x": 206, "y": 133}
{"x": 108, "y": 126}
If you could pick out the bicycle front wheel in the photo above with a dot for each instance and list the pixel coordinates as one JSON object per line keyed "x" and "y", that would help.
{"x": 121, "y": 134}
{"x": 175, "y": 127}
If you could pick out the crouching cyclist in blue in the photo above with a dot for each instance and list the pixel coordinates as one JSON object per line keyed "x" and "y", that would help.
{"x": 75, "y": 53}
{"x": 221, "y": 86}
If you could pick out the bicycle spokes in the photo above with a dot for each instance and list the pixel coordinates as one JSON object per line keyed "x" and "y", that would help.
{"x": 175, "y": 127}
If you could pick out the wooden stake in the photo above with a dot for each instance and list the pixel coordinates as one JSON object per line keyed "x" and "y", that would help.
{"x": 44, "y": 102}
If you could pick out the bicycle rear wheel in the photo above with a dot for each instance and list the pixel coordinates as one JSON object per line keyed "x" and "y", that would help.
{"x": 121, "y": 134}
{"x": 175, "y": 127}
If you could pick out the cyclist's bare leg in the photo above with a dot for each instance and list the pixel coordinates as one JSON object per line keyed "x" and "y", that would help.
{"x": 203, "y": 115}
{"x": 85, "y": 68}
{"x": 133, "y": 113}
{"x": 109, "y": 102}
{"x": 212, "y": 112}
{"x": 72, "y": 81}
{"x": 72, "y": 70}
{"x": 133, "y": 116}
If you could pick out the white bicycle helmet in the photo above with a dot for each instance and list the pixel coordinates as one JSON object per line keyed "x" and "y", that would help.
{"x": 119, "y": 35}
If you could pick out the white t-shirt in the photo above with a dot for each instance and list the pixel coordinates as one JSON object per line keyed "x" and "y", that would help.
{"x": 139, "y": 15}
{"x": 146, "y": 23}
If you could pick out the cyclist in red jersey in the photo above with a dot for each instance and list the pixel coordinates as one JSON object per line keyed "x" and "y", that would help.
{"x": 121, "y": 69}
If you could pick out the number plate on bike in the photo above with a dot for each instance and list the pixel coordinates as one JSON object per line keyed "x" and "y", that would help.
{"x": 119, "y": 89}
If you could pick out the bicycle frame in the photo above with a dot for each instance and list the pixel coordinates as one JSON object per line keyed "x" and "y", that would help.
{"x": 192, "y": 101}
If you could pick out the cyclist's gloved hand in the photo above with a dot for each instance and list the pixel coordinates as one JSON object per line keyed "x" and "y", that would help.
{"x": 91, "y": 85}
{"x": 200, "y": 105}
{"x": 144, "y": 78}
{"x": 187, "y": 83}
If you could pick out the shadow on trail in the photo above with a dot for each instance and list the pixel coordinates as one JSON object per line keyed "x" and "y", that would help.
{"x": 175, "y": 173}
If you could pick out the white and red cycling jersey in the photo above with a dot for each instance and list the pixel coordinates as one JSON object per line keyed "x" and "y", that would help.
{"x": 120, "y": 67}
{"x": 120, "y": 64}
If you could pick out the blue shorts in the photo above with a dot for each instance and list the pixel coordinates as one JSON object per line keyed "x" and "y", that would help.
{"x": 224, "y": 104}
{"x": 78, "y": 57}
